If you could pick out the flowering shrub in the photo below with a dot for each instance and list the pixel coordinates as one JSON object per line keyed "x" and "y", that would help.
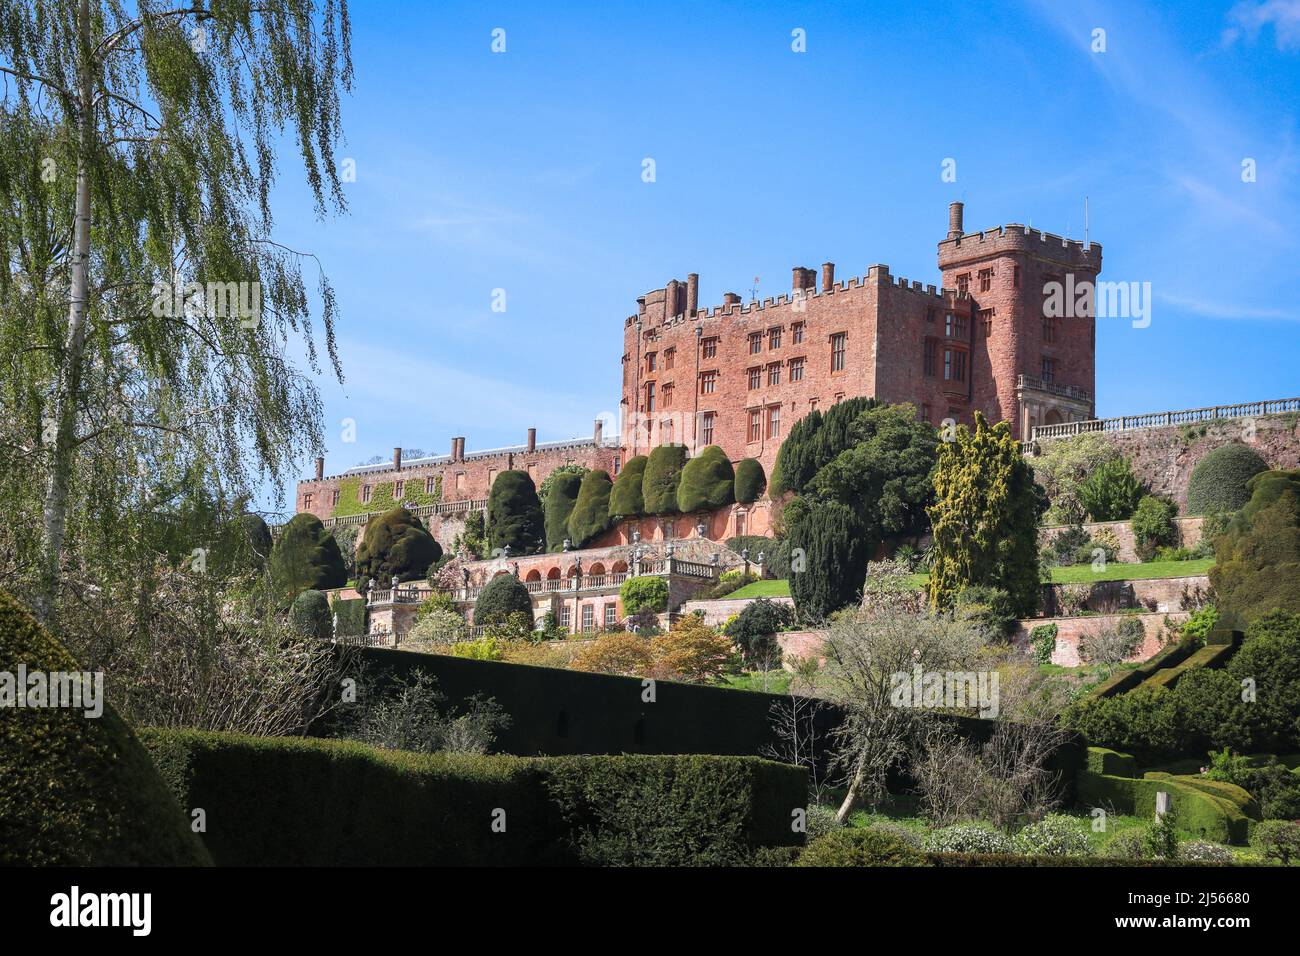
{"x": 821, "y": 821}
{"x": 1053, "y": 835}
{"x": 1203, "y": 851}
{"x": 969, "y": 838}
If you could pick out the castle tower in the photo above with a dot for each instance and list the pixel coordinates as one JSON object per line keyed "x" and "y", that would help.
{"x": 1035, "y": 368}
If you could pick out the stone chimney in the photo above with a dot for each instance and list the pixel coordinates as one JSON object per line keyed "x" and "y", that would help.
{"x": 803, "y": 278}
{"x": 397, "y": 459}
{"x": 597, "y": 432}
{"x": 692, "y": 294}
{"x": 730, "y": 298}
{"x": 320, "y": 468}
{"x": 670, "y": 299}
{"x": 954, "y": 220}
{"x": 532, "y": 440}
{"x": 828, "y": 276}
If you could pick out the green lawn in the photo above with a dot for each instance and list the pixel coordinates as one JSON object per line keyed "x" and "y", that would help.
{"x": 774, "y": 682}
{"x": 1076, "y": 574}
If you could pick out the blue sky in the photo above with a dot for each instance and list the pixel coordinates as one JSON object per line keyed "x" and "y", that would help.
{"x": 522, "y": 171}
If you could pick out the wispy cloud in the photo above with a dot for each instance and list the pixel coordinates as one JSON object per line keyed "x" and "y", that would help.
{"x": 1222, "y": 310}
{"x": 1248, "y": 19}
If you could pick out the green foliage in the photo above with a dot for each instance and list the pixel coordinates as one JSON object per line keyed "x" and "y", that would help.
{"x": 351, "y": 615}
{"x": 990, "y": 607}
{"x": 1258, "y": 557}
{"x": 969, "y": 838}
{"x": 77, "y": 790}
{"x": 828, "y": 556}
{"x": 626, "y": 499}
{"x": 485, "y": 648}
{"x": 344, "y": 803}
{"x": 1111, "y": 492}
{"x": 1054, "y": 835}
{"x": 1219, "y": 480}
{"x": 663, "y": 471}
{"x": 731, "y": 580}
{"x": 514, "y": 514}
{"x": 644, "y": 593}
{"x": 1199, "y": 623}
{"x": 1063, "y": 466}
{"x": 854, "y": 847}
{"x": 985, "y": 518}
{"x": 259, "y": 539}
{"x": 1042, "y": 639}
{"x": 395, "y": 544}
{"x": 310, "y": 615}
{"x": 754, "y": 629}
{"x": 776, "y": 554}
{"x": 1220, "y": 812}
{"x": 558, "y": 506}
{"x": 590, "y": 516}
{"x": 1153, "y": 526}
{"x": 707, "y": 481}
{"x": 544, "y": 489}
{"x": 305, "y": 556}
{"x": 751, "y": 481}
{"x": 346, "y": 535}
{"x": 412, "y": 714}
{"x": 474, "y": 538}
{"x": 1278, "y": 840}
{"x": 814, "y": 441}
{"x": 504, "y": 595}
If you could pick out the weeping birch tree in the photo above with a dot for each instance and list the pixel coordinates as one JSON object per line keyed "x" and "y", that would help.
{"x": 148, "y": 319}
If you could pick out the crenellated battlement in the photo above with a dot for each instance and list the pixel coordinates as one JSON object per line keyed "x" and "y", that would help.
{"x": 1015, "y": 237}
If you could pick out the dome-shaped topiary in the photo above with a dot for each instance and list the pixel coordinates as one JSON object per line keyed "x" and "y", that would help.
{"x": 306, "y": 556}
{"x": 310, "y": 615}
{"x": 561, "y": 496}
{"x": 751, "y": 481}
{"x": 76, "y": 790}
{"x": 514, "y": 514}
{"x": 590, "y": 515}
{"x": 626, "y": 499}
{"x": 395, "y": 544}
{"x": 1218, "y": 481}
{"x": 662, "y": 473}
{"x": 707, "y": 482}
{"x": 502, "y": 596}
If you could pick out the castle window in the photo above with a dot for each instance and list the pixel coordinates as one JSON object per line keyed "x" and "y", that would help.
{"x": 1049, "y": 370}
{"x": 429, "y": 485}
{"x": 666, "y": 431}
{"x": 986, "y": 321}
{"x": 306, "y": 501}
{"x": 796, "y": 333}
{"x": 334, "y": 498}
{"x": 755, "y": 342}
{"x": 773, "y": 338}
{"x": 649, "y": 396}
{"x": 774, "y": 421}
{"x": 399, "y": 489}
{"x": 651, "y": 361}
{"x": 755, "y": 425}
{"x": 611, "y": 615}
{"x": 708, "y": 382}
{"x": 954, "y": 365}
{"x": 963, "y": 284}
{"x": 1049, "y": 329}
{"x": 1015, "y": 277}
{"x": 669, "y": 356}
{"x": 706, "y": 428}
{"x": 954, "y": 326}
{"x": 774, "y": 374}
{"x": 668, "y": 395}
{"x": 986, "y": 280}
{"x": 930, "y": 355}
{"x": 755, "y": 377}
{"x": 618, "y": 464}
{"x": 839, "y": 345}
{"x": 925, "y": 413}
{"x": 709, "y": 347}
{"x": 929, "y": 316}
{"x": 566, "y": 615}
{"x": 460, "y": 478}
{"x": 796, "y": 370}
{"x": 365, "y": 493}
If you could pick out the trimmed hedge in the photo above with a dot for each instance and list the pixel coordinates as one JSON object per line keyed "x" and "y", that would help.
{"x": 310, "y": 615}
{"x": 751, "y": 481}
{"x": 514, "y": 514}
{"x": 78, "y": 790}
{"x": 1218, "y": 481}
{"x": 1221, "y": 813}
{"x": 351, "y": 616}
{"x": 1212, "y": 656}
{"x": 663, "y": 471}
{"x": 707, "y": 482}
{"x": 560, "y": 499}
{"x": 626, "y": 499}
{"x": 1127, "y": 680}
{"x": 306, "y": 556}
{"x": 395, "y": 544}
{"x": 291, "y": 801}
{"x": 590, "y": 515}
{"x": 504, "y": 595}
{"x": 1111, "y": 762}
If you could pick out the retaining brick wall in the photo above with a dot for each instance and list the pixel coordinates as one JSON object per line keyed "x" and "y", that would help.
{"x": 1156, "y": 594}
{"x": 1070, "y": 630}
{"x": 1189, "y": 530}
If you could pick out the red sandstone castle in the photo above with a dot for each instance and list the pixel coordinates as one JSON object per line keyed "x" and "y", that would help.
{"x": 739, "y": 375}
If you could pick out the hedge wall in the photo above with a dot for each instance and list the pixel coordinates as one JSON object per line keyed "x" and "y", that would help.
{"x": 1215, "y": 811}
{"x": 351, "y": 614}
{"x": 292, "y": 801}
{"x": 1218, "y": 481}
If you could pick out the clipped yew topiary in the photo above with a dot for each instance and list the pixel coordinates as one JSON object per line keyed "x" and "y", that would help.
{"x": 311, "y": 616}
{"x": 626, "y": 500}
{"x": 1218, "y": 481}
{"x": 514, "y": 514}
{"x": 829, "y": 557}
{"x": 590, "y": 515}
{"x": 1257, "y": 560}
{"x": 663, "y": 472}
{"x": 395, "y": 544}
{"x": 751, "y": 481}
{"x": 707, "y": 482}
{"x": 306, "y": 556}
{"x": 561, "y": 496}
{"x": 504, "y": 595}
{"x": 76, "y": 790}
